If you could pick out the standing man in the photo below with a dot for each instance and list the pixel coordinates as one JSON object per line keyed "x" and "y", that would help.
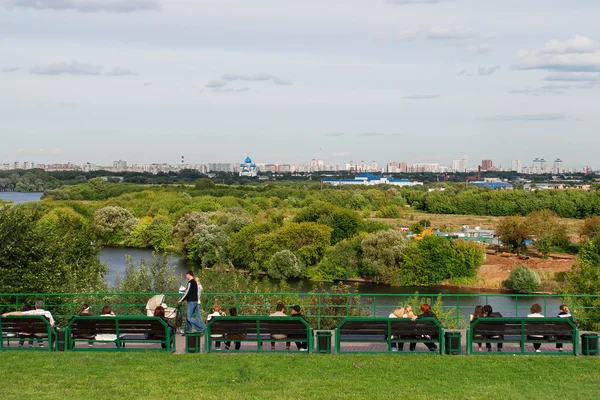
{"x": 193, "y": 316}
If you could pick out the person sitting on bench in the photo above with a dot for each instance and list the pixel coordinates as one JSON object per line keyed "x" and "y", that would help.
{"x": 536, "y": 310}
{"x": 488, "y": 312}
{"x": 39, "y": 310}
{"x": 233, "y": 313}
{"x": 159, "y": 311}
{"x": 279, "y": 312}
{"x": 563, "y": 312}
{"x": 426, "y": 312}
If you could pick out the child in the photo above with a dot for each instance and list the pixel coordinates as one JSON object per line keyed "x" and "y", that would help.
{"x": 216, "y": 312}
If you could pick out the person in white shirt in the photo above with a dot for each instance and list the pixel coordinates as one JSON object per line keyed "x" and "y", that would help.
{"x": 397, "y": 313}
{"x": 536, "y": 310}
{"x": 107, "y": 337}
{"x": 39, "y": 310}
{"x": 279, "y": 312}
{"x": 216, "y": 313}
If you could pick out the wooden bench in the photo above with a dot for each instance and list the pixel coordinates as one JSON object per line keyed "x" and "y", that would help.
{"x": 126, "y": 329}
{"x": 257, "y": 329}
{"x": 523, "y": 331}
{"x": 27, "y": 328}
{"x": 388, "y": 331}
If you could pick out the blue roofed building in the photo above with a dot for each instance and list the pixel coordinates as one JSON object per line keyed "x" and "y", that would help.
{"x": 248, "y": 168}
{"x": 370, "y": 180}
{"x": 494, "y": 184}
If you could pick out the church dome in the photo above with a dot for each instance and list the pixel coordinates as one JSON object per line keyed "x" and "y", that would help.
{"x": 248, "y": 160}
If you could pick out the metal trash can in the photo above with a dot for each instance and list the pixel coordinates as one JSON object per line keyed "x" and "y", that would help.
{"x": 589, "y": 344}
{"x": 192, "y": 342}
{"x": 452, "y": 343}
{"x": 323, "y": 342}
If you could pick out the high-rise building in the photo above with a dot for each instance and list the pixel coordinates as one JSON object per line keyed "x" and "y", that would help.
{"x": 557, "y": 167}
{"x": 517, "y": 165}
{"x": 403, "y": 167}
{"x": 486, "y": 165}
{"x": 459, "y": 165}
{"x": 540, "y": 166}
{"x": 120, "y": 165}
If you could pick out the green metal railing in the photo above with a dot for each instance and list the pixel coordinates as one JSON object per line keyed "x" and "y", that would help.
{"x": 321, "y": 310}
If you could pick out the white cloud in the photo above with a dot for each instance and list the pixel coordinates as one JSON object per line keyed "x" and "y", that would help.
{"x": 487, "y": 71}
{"x": 543, "y": 90}
{"x": 573, "y": 77}
{"x": 75, "y": 67}
{"x": 577, "y": 54}
{"x": 11, "y": 69}
{"x": 421, "y": 97}
{"x": 86, "y": 6}
{"x": 230, "y": 90}
{"x": 468, "y": 39}
{"x": 216, "y": 84}
{"x": 260, "y": 76}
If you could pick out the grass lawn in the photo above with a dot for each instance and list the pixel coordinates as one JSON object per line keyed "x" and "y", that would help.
{"x": 269, "y": 376}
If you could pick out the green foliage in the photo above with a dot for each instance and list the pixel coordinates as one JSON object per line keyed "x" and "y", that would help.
{"x": 204, "y": 183}
{"x": 209, "y": 246}
{"x": 584, "y": 278}
{"x": 382, "y": 254}
{"x": 242, "y": 244}
{"x": 314, "y": 212}
{"x": 523, "y": 280}
{"x": 391, "y": 211}
{"x": 344, "y": 224}
{"x": 369, "y": 226}
{"x": 449, "y": 318}
{"x": 426, "y": 262}
{"x": 512, "y": 232}
{"x": 110, "y": 223}
{"x": 52, "y": 253}
{"x": 547, "y": 230}
{"x": 284, "y": 265}
{"x": 341, "y": 262}
{"x": 466, "y": 260}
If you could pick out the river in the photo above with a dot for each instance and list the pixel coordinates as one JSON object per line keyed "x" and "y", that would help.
{"x": 463, "y": 298}
{"x": 21, "y": 197}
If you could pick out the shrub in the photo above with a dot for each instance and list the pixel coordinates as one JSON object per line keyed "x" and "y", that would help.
{"x": 523, "y": 280}
{"x": 284, "y": 264}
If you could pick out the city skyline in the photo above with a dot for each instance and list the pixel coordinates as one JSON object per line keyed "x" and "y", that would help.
{"x": 289, "y": 81}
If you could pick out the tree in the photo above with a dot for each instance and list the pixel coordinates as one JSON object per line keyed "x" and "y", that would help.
{"x": 547, "y": 229}
{"x": 284, "y": 264}
{"x": 382, "y": 254}
{"x": 110, "y": 223}
{"x": 523, "y": 280}
{"x": 426, "y": 262}
{"x": 186, "y": 227}
{"x": 584, "y": 279}
{"x": 209, "y": 246}
{"x": 344, "y": 224}
{"x": 341, "y": 262}
{"x": 590, "y": 228}
{"x": 512, "y": 233}
{"x": 204, "y": 183}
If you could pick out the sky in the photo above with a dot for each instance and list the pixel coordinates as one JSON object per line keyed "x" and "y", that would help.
{"x": 287, "y": 81}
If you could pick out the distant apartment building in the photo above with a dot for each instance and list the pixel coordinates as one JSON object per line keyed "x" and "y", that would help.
{"x": 557, "y": 166}
{"x": 487, "y": 165}
{"x": 220, "y": 167}
{"x": 517, "y": 166}
{"x": 120, "y": 165}
{"x": 459, "y": 165}
{"x": 428, "y": 167}
{"x": 540, "y": 166}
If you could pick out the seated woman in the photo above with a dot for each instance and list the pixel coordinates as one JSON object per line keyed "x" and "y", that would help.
{"x": 477, "y": 313}
{"x": 159, "y": 311}
{"x": 216, "y": 313}
{"x": 86, "y": 311}
{"x": 563, "y": 312}
{"x": 107, "y": 337}
{"x": 536, "y": 310}
{"x": 397, "y": 313}
{"x": 426, "y": 312}
{"x": 234, "y": 336}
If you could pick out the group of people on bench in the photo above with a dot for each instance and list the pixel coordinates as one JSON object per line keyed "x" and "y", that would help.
{"x": 406, "y": 312}
{"x": 279, "y": 312}
{"x": 535, "y": 312}
{"x": 28, "y": 310}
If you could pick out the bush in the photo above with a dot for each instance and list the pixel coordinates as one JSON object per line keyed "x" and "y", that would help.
{"x": 523, "y": 280}
{"x": 284, "y": 264}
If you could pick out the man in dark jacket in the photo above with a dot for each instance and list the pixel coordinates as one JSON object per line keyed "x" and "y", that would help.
{"x": 488, "y": 312}
{"x": 193, "y": 317}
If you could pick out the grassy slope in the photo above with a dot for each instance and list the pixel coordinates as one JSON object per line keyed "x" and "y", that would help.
{"x": 218, "y": 376}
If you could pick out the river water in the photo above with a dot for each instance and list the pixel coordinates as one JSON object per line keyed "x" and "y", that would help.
{"x": 386, "y": 299}
{"x": 21, "y": 197}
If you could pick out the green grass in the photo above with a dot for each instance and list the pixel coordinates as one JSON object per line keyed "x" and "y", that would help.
{"x": 264, "y": 376}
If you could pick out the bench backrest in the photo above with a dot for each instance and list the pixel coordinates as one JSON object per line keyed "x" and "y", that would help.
{"x": 258, "y": 325}
{"x": 390, "y": 326}
{"x": 25, "y": 324}
{"x": 523, "y": 326}
{"x": 133, "y": 325}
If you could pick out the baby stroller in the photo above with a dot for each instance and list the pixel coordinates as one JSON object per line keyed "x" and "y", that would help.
{"x": 159, "y": 300}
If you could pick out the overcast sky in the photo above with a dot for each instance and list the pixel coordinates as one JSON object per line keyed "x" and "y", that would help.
{"x": 287, "y": 81}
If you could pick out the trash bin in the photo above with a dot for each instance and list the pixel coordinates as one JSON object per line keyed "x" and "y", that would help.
{"x": 589, "y": 344}
{"x": 452, "y": 343}
{"x": 323, "y": 342}
{"x": 192, "y": 342}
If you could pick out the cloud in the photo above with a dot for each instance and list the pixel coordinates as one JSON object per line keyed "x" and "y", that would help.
{"x": 468, "y": 39}
{"x": 86, "y": 6}
{"x": 421, "y": 97}
{"x": 75, "y": 67}
{"x": 573, "y": 77}
{"x": 576, "y": 54}
{"x": 260, "y": 76}
{"x": 335, "y": 134}
{"x": 370, "y": 134}
{"x": 216, "y": 84}
{"x": 11, "y": 69}
{"x": 543, "y": 90}
{"x": 478, "y": 48}
{"x": 230, "y": 90}
{"x": 528, "y": 117}
{"x": 487, "y": 71}
{"x": 405, "y": 2}
{"x": 341, "y": 154}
